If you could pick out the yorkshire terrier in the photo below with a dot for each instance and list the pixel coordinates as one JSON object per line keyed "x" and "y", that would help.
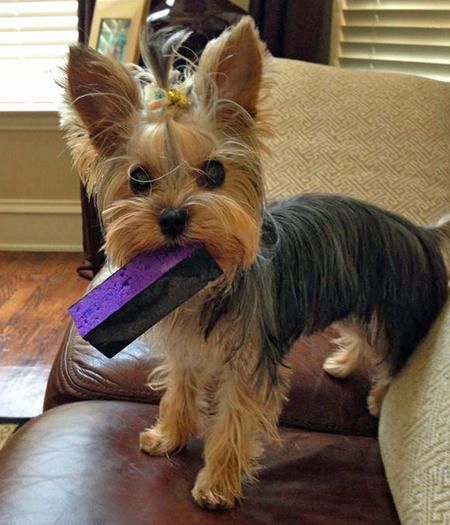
{"x": 174, "y": 159}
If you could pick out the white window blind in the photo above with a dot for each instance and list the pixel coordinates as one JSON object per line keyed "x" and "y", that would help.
{"x": 409, "y": 36}
{"x": 33, "y": 43}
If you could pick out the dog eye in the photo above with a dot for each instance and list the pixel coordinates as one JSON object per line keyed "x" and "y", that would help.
{"x": 140, "y": 180}
{"x": 212, "y": 174}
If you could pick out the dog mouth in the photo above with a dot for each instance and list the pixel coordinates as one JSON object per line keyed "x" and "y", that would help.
{"x": 178, "y": 240}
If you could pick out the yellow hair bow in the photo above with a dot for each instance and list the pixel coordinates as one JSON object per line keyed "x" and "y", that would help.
{"x": 157, "y": 98}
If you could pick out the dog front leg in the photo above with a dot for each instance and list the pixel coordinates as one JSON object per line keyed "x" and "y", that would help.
{"x": 243, "y": 413}
{"x": 178, "y": 411}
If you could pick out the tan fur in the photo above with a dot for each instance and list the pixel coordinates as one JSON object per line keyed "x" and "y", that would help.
{"x": 381, "y": 381}
{"x": 233, "y": 440}
{"x": 177, "y": 413}
{"x": 228, "y": 225}
{"x": 209, "y": 389}
{"x": 353, "y": 347}
{"x": 225, "y": 405}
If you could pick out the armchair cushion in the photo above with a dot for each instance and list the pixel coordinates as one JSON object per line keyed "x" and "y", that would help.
{"x": 80, "y": 463}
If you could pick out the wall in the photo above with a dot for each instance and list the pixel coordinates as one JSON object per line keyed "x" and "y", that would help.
{"x": 39, "y": 192}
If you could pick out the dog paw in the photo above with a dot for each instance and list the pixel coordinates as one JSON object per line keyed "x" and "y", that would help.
{"x": 336, "y": 367}
{"x": 156, "y": 443}
{"x": 212, "y": 496}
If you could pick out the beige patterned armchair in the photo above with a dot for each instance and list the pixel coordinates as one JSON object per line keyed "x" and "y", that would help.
{"x": 384, "y": 138}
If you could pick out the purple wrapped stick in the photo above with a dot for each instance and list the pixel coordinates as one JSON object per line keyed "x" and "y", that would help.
{"x": 140, "y": 294}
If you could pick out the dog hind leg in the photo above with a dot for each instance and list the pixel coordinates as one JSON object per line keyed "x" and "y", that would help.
{"x": 351, "y": 345}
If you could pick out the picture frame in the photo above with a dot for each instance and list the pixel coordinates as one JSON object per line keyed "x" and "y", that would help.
{"x": 116, "y": 27}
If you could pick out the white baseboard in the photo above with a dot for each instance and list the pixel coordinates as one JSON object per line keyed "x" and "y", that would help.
{"x": 40, "y": 225}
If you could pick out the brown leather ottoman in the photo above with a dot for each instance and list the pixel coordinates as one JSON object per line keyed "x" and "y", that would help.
{"x": 80, "y": 464}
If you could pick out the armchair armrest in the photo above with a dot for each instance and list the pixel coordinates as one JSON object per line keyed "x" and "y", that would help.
{"x": 81, "y": 372}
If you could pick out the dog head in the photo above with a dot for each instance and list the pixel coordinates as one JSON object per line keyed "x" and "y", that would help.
{"x": 173, "y": 159}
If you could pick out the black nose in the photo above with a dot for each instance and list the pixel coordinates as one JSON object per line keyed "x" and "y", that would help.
{"x": 173, "y": 221}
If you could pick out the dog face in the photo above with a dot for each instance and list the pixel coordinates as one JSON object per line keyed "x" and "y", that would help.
{"x": 181, "y": 164}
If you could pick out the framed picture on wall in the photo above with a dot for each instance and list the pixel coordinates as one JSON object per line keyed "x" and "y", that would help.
{"x": 116, "y": 26}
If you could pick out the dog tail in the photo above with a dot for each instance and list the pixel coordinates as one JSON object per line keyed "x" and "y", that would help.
{"x": 442, "y": 230}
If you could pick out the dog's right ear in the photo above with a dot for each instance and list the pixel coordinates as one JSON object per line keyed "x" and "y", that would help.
{"x": 104, "y": 95}
{"x": 234, "y": 65}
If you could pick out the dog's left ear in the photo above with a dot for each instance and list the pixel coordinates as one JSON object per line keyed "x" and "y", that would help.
{"x": 233, "y": 63}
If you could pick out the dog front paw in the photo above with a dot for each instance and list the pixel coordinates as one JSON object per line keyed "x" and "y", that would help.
{"x": 157, "y": 443}
{"x": 213, "y": 495}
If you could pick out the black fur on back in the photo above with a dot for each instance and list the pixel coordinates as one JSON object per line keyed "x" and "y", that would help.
{"x": 325, "y": 258}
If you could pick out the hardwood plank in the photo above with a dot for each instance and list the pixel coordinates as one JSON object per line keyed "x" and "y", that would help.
{"x": 35, "y": 291}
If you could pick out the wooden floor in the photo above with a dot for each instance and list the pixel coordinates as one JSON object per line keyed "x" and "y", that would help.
{"x": 35, "y": 292}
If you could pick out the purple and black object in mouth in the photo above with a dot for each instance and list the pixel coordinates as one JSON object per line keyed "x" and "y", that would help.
{"x": 140, "y": 294}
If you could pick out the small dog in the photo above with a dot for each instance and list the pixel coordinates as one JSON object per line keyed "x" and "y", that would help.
{"x": 176, "y": 159}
